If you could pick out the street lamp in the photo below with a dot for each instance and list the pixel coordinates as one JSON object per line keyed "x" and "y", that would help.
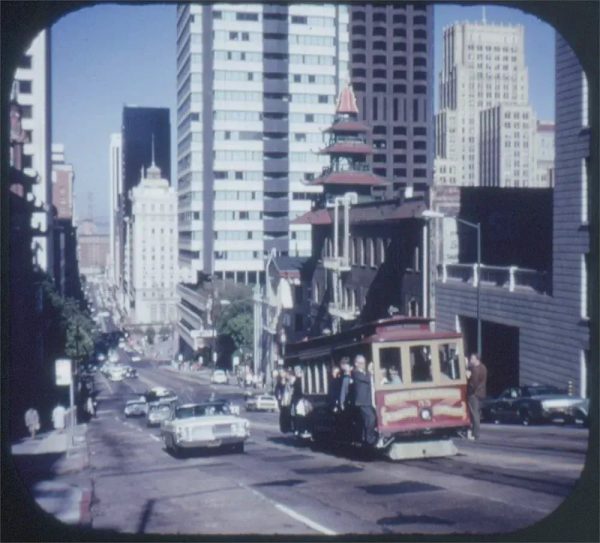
{"x": 430, "y": 214}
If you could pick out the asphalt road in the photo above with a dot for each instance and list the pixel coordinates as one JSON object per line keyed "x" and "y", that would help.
{"x": 512, "y": 478}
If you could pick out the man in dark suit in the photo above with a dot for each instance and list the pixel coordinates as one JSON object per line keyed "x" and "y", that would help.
{"x": 363, "y": 399}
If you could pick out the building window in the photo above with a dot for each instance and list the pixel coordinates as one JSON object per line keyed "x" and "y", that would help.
{"x": 25, "y": 61}
{"x": 26, "y": 112}
{"x": 584, "y": 101}
{"x": 585, "y": 308}
{"x": 25, "y": 87}
{"x": 363, "y": 251}
{"x": 584, "y": 191}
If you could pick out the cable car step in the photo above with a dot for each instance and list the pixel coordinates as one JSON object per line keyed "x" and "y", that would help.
{"x": 422, "y": 449}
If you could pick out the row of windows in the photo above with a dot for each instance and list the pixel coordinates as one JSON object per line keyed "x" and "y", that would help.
{"x": 186, "y": 216}
{"x": 318, "y": 79}
{"x": 230, "y": 75}
{"x": 238, "y": 136}
{"x": 238, "y": 155}
{"x": 238, "y": 96}
{"x": 237, "y": 255}
{"x": 238, "y": 195}
{"x": 238, "y": 235}
{"x": 238, "y": 215}
{"x": 246, "y": 175}
{"x": 248, "y": 56}
{"x": 322, "y": 60}
{"x": 222, "y": 35}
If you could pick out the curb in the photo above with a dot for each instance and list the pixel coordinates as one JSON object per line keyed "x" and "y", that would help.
{"x": 85, "y": 507}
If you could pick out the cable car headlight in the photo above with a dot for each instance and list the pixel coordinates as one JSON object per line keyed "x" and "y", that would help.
{"x": 426, "y": 414}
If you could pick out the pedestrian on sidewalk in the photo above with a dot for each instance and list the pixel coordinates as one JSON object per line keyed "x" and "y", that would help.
{"x": 476, "y": 391}
{"x": 32, "y": 421}
{"x": 59, "y": 418}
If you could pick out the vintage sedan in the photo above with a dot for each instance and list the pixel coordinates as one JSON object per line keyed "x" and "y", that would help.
{"x": 261, "y": 402}
{"x": 202, "y": 425}
{"x": 158, "y": 412}
{"x": 136, "y": 408}
{"x": 531, "y": 404}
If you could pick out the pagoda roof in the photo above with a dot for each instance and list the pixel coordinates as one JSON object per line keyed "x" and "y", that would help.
{"x": 347, "y": 101}
{"x": 351, "y": 148}
{"x": 368, "y": 213}
{"x": 317, "y": 216}
{"x": 347, "y": 126}
{"x": 350, "y": 178}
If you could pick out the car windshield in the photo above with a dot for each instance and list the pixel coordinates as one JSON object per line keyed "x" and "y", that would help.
{"x": 541, "y": 391}
{"x": 160, "y": 408}
{"x": 202, "y": 410}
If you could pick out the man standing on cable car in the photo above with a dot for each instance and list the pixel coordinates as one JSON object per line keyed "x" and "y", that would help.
{"x": 363, "y": 399}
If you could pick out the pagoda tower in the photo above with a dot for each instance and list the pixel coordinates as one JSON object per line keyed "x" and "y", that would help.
{"x": 348, "y": 150}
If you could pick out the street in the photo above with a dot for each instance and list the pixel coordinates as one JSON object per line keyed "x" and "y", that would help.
{"x": 510, "y": 479}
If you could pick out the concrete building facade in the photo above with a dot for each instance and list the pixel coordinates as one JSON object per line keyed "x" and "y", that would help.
{"x": 63, "y": 177}
{"x": 544, "y": 153}
{"x": 256, "y": 86}
{"x": 391, "y": 63}
{"x": 151, "y": 250}
{"x": 115, "y": 162}
{"x": 32, "y": 85}
{"x": 485, "y": 128}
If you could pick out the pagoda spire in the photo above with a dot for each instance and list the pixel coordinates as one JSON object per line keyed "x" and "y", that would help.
{"x": 346, "y": 104}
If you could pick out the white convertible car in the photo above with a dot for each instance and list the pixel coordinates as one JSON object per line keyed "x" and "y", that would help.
{"x": 209, "y": 424}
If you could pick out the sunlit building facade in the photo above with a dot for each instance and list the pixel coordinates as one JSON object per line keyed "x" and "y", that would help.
{"x": 256, "y": 86}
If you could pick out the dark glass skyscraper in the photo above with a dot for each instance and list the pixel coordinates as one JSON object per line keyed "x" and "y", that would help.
{"x": 391, "y": 62}
{"x": 140, "y": 124}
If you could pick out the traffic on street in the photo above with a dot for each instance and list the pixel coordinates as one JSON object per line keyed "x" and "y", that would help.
{"x": 513, "y": 476}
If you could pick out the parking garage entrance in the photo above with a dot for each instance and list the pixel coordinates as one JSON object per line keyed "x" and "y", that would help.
{"x": 500, "y": 352}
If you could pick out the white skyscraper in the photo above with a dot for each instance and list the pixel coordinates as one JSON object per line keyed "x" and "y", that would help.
{"x": 256, "y": 86}
{"x": 32, "y": 85}
{"x": 116, "y": 186}
{"x": 151, "y": 250}
{"x": 544, "y": 153}
{"x": 484, "y": 131}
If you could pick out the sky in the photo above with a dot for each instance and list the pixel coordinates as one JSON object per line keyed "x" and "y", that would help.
{"x": 108, "y": 56}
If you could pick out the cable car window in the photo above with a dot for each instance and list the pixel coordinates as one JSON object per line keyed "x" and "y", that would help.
{"x": 449, "y": 362}
{"x": 390, "y": 364}
{"x": 420, "y": 363}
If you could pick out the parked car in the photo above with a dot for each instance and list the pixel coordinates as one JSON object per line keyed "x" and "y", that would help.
{"x": 158, "y": 412}
{"x": 135, "y": 408}
{"x": 219, "y": 377}
{"x": 208, "y": 424}
{"x": 531, "y": 404}
{"x": 117, "y": 372}
{"x": 261, "y": 402}
{"x": 136, "y": 357}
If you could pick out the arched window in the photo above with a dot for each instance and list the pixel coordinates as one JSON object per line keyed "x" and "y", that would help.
{"x": 371, "y": 252}
{"x": 362, "y": 252}
{"x": 381, "y": 250}
{"x": 355, "y": 250}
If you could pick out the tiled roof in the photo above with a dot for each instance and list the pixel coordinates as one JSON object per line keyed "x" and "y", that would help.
{"x": 349, "y": 178}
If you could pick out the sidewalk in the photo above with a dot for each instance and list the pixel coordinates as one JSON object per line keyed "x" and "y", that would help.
{"x": 54, "y": 475}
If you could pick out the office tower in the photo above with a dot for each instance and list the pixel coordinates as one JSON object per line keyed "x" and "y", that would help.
{"x": 507, "y": 135}
{"x": 116, "y": 188}
{"x": 256, "y": 86}
{"x": 32, "y": 92}
{"x": 484, "y": 105}
{"x": 62, "y": 183}
{"x": 391, "y": 62}
{"x": 151, "y": 250}
{"x": 145, "y": 130}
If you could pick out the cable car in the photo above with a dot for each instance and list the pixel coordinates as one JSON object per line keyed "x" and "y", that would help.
{"x": 418, "y": 382}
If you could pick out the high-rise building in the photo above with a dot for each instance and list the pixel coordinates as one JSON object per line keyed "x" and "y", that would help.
{"x": 62, "y": 183}
{"x": 116, "y": 188}
{"x": 484, "y": 111}
{"x": 256, "y": 86}
{"x": 391, "y": 62}
{"x": 145, "y": 133}
{"x": 151, "y": 249}
{"x": 32, "y": 92}
{"x": 506, "y": 146}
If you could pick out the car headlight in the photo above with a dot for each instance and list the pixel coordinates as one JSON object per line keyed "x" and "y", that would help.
{"x": 426, "y": 414}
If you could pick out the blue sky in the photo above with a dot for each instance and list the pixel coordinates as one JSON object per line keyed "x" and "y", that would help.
{"x": 106, "y": 56}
